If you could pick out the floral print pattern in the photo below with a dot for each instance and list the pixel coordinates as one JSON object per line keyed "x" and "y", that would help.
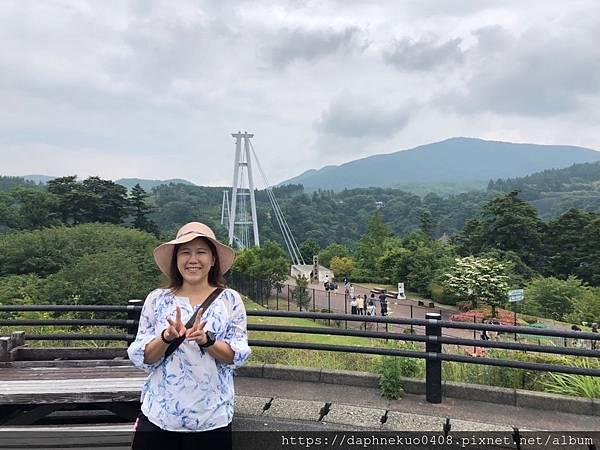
{"x": 190, "y": 390}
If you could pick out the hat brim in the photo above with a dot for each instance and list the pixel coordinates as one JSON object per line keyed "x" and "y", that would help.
{"x": 163, "y": 254}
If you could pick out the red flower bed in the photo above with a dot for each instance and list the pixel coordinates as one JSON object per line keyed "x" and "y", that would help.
{"x": 504, "y": 316}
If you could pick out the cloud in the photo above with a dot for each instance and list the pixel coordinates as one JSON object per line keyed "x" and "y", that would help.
{"x": 301, "y": 44}
{"x": 534, "y": 74}
{"x": 355, "y": 118}
{"x": 423, "y": 55}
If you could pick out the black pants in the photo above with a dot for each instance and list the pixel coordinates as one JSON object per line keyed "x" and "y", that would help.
{"x": 150, "y": 437}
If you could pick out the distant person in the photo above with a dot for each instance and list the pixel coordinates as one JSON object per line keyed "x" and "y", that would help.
{"x": 494, "y": 334}
{"x": 326, "y": 282}
{"x": 576, "y": 341}
{"x": 370, "y": 308}
{"x": 483, "y": 333}
{"x": 351, "y": 290}
{"x": 360, "y": 305}
{"x": 353, "y": 306}
{"x": 383, "y": 303}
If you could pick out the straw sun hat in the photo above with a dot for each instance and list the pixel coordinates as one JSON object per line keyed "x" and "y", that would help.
{"x": 163, "y": 254}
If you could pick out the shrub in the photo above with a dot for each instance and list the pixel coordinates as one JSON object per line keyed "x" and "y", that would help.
{"x": 440, "y": 295}
{"x": 392, "y": 368}
{"x": 575, "y": 385}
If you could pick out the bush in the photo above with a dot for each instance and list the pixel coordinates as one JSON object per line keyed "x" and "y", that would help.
{"x": 392, "y": 368}
{"x": 440, "y": 295}
{"x": 575, "y": 385}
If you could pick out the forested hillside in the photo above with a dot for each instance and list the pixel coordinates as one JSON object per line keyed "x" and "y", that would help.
{"x": 91, "y": 241}
{"x": 557, "y": 190}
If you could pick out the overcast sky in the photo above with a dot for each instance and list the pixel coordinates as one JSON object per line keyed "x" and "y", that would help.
{"x": 154, "y": 89}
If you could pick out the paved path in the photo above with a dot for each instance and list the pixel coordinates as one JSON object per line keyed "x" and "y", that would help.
{"x": 283, "y": 400}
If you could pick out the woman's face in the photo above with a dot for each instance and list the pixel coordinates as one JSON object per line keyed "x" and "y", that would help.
{"x": 194, "y": 261}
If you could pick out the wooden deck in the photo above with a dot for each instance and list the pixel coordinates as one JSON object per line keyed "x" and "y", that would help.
{"x": 29, "y": 392}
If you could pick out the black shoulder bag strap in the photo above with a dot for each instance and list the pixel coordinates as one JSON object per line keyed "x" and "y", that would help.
{"x": 205, "y": 304}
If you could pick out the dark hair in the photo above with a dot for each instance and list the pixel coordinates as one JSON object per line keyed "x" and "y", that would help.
{"x": 215, "y": 277}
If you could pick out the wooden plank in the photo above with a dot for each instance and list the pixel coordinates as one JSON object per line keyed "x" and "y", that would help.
{"x": 70, "y": 391}
{"x": 79, "y": 353}
{"x": 118, "y": 361}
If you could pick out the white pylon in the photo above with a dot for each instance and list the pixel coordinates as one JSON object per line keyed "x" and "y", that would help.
{"x": 238, "y": 215}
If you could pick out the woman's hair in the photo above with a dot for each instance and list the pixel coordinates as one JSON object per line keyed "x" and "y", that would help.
{"x": 215, "y": 277}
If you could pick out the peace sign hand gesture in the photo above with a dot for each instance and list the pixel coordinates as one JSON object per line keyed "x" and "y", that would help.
{"x": 176, "y": 327}
{"x": 197, "y": 333}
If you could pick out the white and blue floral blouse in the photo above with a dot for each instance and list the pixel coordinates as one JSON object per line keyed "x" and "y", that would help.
{"x": 190, "y": 390}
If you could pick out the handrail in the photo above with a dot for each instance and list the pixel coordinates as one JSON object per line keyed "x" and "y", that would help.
{"x": 433, "y": 338}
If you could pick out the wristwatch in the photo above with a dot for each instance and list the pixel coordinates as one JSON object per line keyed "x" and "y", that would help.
{"x": 210, "y": 339}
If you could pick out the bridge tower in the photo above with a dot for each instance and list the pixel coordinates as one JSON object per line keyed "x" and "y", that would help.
{"x": 240, "y": 219}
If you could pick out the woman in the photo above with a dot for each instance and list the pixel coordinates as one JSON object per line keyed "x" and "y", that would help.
{"x": 187, "y": 400}
{"x": 360, "y": 305}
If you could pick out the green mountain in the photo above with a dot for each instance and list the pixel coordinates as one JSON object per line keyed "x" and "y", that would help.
{"x": 38, "y": 178}
{"x": 455, "y": 160}
{"x": 147, "y": 185}
{"x": 556, "y": 190}
{"x": 127, "y": 182}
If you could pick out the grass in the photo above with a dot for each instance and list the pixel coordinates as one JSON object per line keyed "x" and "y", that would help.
{"x": 466, "y": 373}
{"x": 309, "y": 358}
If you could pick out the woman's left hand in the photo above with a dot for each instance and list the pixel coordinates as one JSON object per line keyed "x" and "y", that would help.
{"x": 197, "y": 333}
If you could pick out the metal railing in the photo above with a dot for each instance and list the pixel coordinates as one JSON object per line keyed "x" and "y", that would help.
{"x": 433, "y": 338}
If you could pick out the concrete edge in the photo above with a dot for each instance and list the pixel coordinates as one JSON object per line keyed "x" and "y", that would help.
{"x": 555, "y": 402}
{"x": 464, "y": 391}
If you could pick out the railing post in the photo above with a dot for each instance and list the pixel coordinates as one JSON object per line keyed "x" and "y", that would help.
{"x": 346, "y": 308}
{"x": 277, "y": 294}
{"x": 5, "y": 349}
{"x": 288, "y": 286}
{"x": 433, "y": 367}
{"x": 133, "y": 315}
{"x": 412, "y": 329}
{"x": 475, "y": 333}
{"x": 329, "y": 304}
{"x": 314, "y": 303}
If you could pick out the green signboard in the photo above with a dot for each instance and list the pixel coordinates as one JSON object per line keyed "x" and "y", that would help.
{"x": 516, "y": 295}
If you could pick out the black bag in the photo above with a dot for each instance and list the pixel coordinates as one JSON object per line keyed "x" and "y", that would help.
{"x": 205, "y": 304}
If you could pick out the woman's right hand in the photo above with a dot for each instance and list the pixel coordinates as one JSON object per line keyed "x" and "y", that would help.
{"x": 176, "y": 327}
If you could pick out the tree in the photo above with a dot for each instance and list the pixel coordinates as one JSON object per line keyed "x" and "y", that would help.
{"x": 66, "y": 189}
{"x": 551, "y": 297}
{"x": 140, "y": 209}
{"x": 341, "y": 266}
{"x": 507, "y": 223}
{"x": 586, "y": 308}
{"x": 107, "y": 278}
{"x": 36, "y": 208}
{"x": 93, "y": 200}
{"x": 589, "y": 266}
{"x": 308, "y": 249}
{"x": 478, "y": 279}
{"x": 110, "y": 205}
{"x": 332, "y": 250}
{"x": 566, "y": 246}
{"x": 370, "y": 246}
{"x": 426, "y": 222}
{"x": 300, "y": 293}
{"x": 415, "y": 260}
{"x": 45, "y": 252}
{"x": 269, "y": 263}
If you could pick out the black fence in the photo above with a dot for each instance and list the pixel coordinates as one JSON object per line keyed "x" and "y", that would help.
{"x": 433, "y": 338}
{"x": 283, "y": 297}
